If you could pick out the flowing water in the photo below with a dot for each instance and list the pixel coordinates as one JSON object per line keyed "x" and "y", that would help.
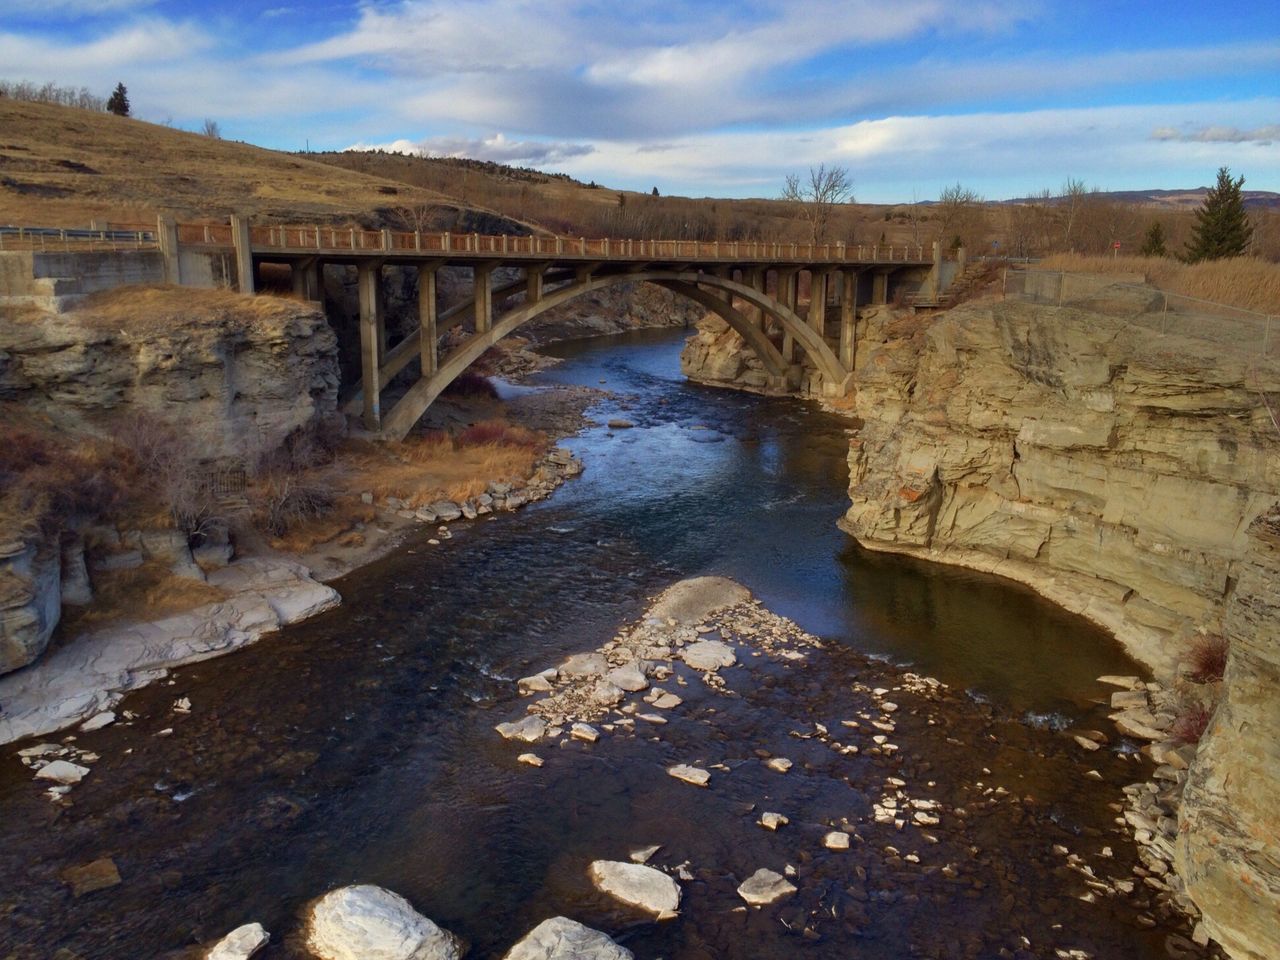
{"x": 358, "y": 747}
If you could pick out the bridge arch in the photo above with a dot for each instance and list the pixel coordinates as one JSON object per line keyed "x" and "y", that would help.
{"x": 693, "y": 284}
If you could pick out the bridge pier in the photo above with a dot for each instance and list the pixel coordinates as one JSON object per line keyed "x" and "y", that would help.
{"x": 880, "y": 287}
{"x": 818, "y": 301}
{"x": 428, "y": 314}
{"x": 372, "y": 340}
{"x": 483, "y": 274}
{"x": 242, "y": 242}
{"x": 788, "y": 284}
{"x": 753, "y": 277}
{"x": 533, "y": 282}
{"x": 306, "y": 277}
{"x": 848, "y": 317}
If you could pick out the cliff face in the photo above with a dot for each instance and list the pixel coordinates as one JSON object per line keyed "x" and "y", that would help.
{"x": 240, "y": 373}
{"x": 235, "y": 375}
{"x": 1228, "y": 851}
{"x": 1115, "y": 472}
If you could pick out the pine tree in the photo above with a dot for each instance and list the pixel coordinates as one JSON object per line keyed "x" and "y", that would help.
{"x": 1153, "y": 241}
{"x": 1222, "y": 228}
{"x": 118, "y": 103}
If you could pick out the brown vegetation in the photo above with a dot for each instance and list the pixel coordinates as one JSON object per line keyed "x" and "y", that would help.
{"x": 1192, "y": 722}
{"x": 1208, "y": 658}
{"x": 1244, "y": 282}
{"x": 152, "y": 587}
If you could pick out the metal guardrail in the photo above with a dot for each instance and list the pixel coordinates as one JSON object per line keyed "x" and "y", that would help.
{"x": 1248, "y": 332}
{"x": 73, "y": 238}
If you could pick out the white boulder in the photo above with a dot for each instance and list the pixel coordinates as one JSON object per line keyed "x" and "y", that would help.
{"x": 764, "y": 887}
{"x": 365, "y": 922}
{"x": 563, "y": 939}
{"x": 240, "y": 944}
{"x": 709, "y": 655}
{"x": 635, "y": 884}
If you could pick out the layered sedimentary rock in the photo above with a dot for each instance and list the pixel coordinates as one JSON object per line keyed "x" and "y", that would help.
{"x": 1228, "y": 851}
{"x": 239, "y": 373}
{"x": 1115, "y": 471}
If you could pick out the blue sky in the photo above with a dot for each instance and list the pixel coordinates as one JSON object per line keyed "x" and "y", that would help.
{"x": 1007, "y": 97}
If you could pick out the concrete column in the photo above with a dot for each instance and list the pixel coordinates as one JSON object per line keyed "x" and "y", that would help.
{"x": 754, "y": 278}
{"x": 818, "y": 301}
{"x": 533, "y": 277}
{"x": 167, "y": 235}
{"x": 962, "y": 257}
{"x": 880, "y": 287}
{"x": 848, "y": 317}
{"x": 306, "y": 282}
{"x": 368, "y": 273}
{"x": 787, "y": 293}
{"x": 427, "y": 314}
{"x": 935, "y": 274}
{"x": 482, "y": 275}
{"x": 244, "y": 253}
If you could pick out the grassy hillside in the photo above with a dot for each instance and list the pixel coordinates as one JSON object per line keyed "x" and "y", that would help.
{"x": 61, "y": 166}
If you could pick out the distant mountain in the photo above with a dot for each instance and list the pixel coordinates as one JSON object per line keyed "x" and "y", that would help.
{"x": 1178, "y": 199}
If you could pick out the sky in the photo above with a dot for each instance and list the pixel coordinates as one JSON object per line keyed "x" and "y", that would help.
{"x": 700, "y": 98}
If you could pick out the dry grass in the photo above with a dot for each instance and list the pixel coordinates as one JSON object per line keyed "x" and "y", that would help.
{"x": 1192, "y": 722}
{"x": 148, "y": 310}
{"x": 435, "y": 466}
{"x": 64, "y": 167}
{"x": 1244, "y": 282}
{"x": 149, "y": 591}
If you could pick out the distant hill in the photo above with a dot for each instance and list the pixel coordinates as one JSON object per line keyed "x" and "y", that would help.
{"x": 1177, "y": 199}
{"x": 63, "y": 166}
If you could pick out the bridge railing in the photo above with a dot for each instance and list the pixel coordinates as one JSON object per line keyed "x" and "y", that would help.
{"x": 333, "y": 239}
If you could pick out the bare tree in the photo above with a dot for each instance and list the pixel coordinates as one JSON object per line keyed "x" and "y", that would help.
{"x": 211, "y": 129}
{"x": 416, "y": 217}
{"x": 814, "y": 199}
{"x": 958, "y": 215}
{"x": 1070, "y": 205}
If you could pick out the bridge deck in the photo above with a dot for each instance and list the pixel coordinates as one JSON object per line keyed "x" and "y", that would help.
{"x": 351, "y": 243}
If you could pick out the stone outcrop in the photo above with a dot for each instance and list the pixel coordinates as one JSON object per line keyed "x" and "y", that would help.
{"x": 369, "y": 923}
{"x": 91, "y": 673}
{"x": 640, "y": 886}
{"x": 30, "y": 601}
{"x": 1114, "y": 471}
{"x": 1227, "y": 851}
{"x": 239, "y": 373}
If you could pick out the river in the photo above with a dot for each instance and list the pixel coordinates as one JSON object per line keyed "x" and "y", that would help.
{"x": 358, "y": 747}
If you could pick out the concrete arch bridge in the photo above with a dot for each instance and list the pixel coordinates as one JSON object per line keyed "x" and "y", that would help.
{"x": 754, "y": 286}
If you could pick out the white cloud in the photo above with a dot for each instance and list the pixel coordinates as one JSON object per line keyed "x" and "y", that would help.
{"x": 1263, "y": 136}
{"x": 77, "y": 8}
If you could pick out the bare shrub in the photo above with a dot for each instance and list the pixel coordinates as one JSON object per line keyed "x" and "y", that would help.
{"x": 283, "y": 500}
{"x": 1208, "y": 658}
{"x": 169, "y": 465}
{"x": 1192, "y": 722}
{"x": 48, "y": 478}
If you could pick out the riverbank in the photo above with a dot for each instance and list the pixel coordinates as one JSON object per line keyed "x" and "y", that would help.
{"x": 267, "y": 587}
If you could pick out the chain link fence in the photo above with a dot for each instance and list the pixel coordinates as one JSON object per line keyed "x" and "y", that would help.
{"x": 1170, "y": 314}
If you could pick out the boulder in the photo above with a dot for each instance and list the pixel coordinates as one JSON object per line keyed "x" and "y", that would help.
{"x": 635, "y": 884}
{"x": 528, "y": 729}
{"x": 709, "y": 655}
{"x": 628, "y": 677}
{"x": 90, "y": 877}
{"x": 563, "y": 939}
{"x": 62, "y": 771}
{"x": 30, "y": 602}
{"x": 695, "y": 775}
{"x": 240, "y": 944}
{"x": 764, "y": 887}
{"x": 446, "y": 510}
{"x": 365, "y": 922}
{"x": 584, "y": 665}
{"x": 691, "y": 601}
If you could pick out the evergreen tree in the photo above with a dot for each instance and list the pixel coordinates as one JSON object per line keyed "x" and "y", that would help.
{"x": 1222, "y": 228}
{"x": 118, "y": 102}
{"x": 1153, "y": 241}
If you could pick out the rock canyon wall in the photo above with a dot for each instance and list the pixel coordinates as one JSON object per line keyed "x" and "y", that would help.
{"x": 1126, "y": 476}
